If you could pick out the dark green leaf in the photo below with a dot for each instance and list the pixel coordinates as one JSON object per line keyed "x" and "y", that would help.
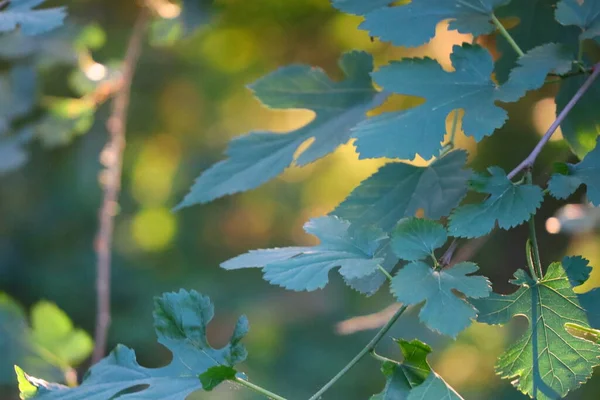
{"x": 214, "y": 376}
{"x": 399, "y": 190}
{"x": 508, "y": 204}
{"x": 397, "y": 24}
{"x": 20, "y": 13}
{"x": 547, "y": 362}
{"x": 416, "y": 238}
{"x": 581, "y": 126}
{"x": 307, "y": 268}
{"x": 420, "y": 130}
{"x": 260, "y": 156}
{"x": 582, "y": 13}
{"x": 443, "y": 310}
{"x": 587, "y": 173}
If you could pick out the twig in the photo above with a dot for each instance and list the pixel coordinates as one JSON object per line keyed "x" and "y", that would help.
{"x": 367, "y": 322}
{"x": 533, "y": 247}
{"x": 366, "y": 350}
{"x": 528, "y": 162}
{"x": 112, "y": 158}
{"x": 4, "y": 3}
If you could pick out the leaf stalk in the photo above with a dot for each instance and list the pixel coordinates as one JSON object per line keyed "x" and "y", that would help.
{"x": 258, "y": 389}
{"x": 507, "y": 35}
{"x": 532, "y": 245}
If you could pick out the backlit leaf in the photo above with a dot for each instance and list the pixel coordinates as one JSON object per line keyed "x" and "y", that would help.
{"x": 547, "y": 361}
{"x": 307, "y": 268}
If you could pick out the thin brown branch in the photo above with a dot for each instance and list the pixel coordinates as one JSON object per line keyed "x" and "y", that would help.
{"x": 367, "y": 322}
{"x": 110, "y": 178}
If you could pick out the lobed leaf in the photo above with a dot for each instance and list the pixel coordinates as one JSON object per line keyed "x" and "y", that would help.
{"x": 532, "y": 69}
{"x": 399, "y": 190}
{"x": 180, "y": 321}
{"x": 258, "y": 157}
{"x": 586, "y": 172}
{"x": 443, "y": 310}
{"x": 584, "y": 14}
{"x": 536, "y": 26}
{"x": 420, "y": 130}
{"x": 307, "y": 268}
{"x": 508, "y": 205}
{"x": 397, "y": 24}
{"x": 547, "y": 362}
{"x": 20, "y": 13}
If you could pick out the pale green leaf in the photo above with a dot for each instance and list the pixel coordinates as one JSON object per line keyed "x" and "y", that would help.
{"x": 307, "y": 268}
{"x": 582, "y": 13}
{"x": 20, "y": 13}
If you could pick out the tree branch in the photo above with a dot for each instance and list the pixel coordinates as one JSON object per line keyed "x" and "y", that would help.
{"x": 528, "y": 162}
{"x": 110, "y": 178}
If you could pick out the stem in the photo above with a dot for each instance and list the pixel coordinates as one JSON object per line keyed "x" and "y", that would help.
{"x": 507, "y": 35}
{"x": 387, "y": 274}
{"x": 112, "y": 158}
{"x": 533, "y": 246}
{"x": 528, "y": 162}
{"x": 450, "y": 145}
{"x": 258, "y": 389}
{"x": 580, "y": 52}
{"x": 446, "y": 258}
{"x": 368, "y": 348}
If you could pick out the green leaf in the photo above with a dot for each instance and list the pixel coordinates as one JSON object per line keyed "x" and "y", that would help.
{"x": 49, "y": 348}
{"x": 547, "y": 362}
{"x": 307, "y": 268}
{"x": 586, "y": 172}
{"x": 260, "y": 156}
{"x": 420, "y": 130}
{"x": 399, "y": 190}
{"x": 533, "y": 68}
{"x": 415, "y": 238}
{"x": 536, "y": 26}
{"x": 581, "y": 126}
{"x": 368, "y": 285}
{"x": 509, "y": 205}
{"x": 180, "y": 320}
{"x": 413, "y": 377}
{"x": 443, "y": 310}
{"x": 194, "y": 13}
{"x": 12, "y": 150}
{"x": 66, "y": 118}
{"x": 214, "y": 376}
{"x": 397, "y": 24}
{"x": 584, "y": 14}
{"x": 434, "y": 388}
{"x": 54, "y": 332}
{"x": 20, "y": 13}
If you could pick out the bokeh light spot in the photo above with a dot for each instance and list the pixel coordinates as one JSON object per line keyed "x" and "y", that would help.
{"x": 153, "y": 229}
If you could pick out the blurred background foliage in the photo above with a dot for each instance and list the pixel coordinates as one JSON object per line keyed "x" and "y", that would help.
{"x": 189, "y": 98}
